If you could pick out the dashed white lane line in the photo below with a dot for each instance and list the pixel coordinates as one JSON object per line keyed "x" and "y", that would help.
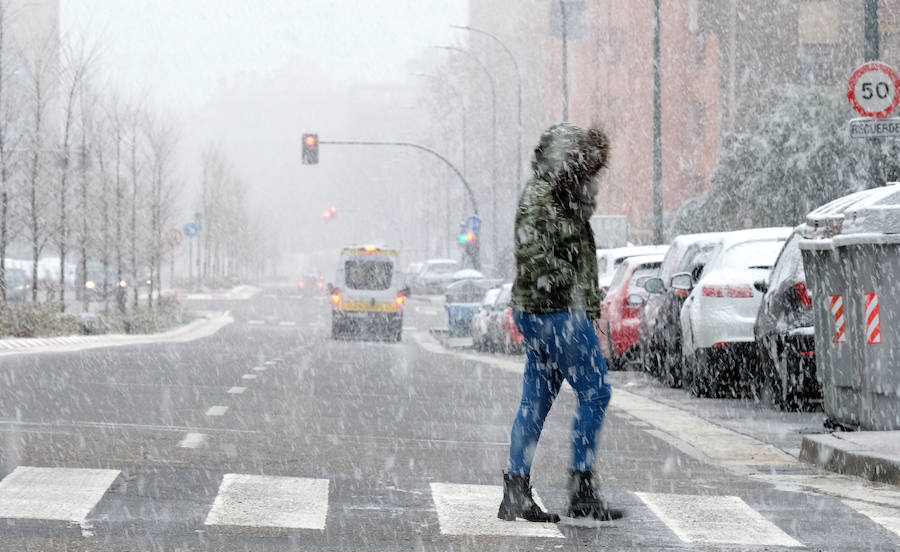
{"x": 888, "y": 518}
{"x": 67, "y": 494}
{"x": 193, "y": 440}
{"x": 269, "y": 363}
{"x": 287, "y": 323}
{"x": 237, "y": 390}
{"x": 716, "y": 520}
{"x": 249, "y": 376}
{"x": 269, "y": 501}
{"x": 472, "y": 510}
{"x": 217, "y": 410}
{"x": 260, "y": 368}
{"x": 256, "y": 322}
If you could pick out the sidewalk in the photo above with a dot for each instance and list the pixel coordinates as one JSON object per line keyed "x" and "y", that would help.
{"x": 874, "y": 455}
{"x": 202, "y": 327}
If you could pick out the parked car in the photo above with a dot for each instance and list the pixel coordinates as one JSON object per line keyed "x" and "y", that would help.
{"x": 623, "y": 305}
{"x": 435, "y": 276}
{"x": 718, "y": 316}
{"x": 482, "y": 339}
{"x": 785, "y": 334}
{"x": 608, "y": 260}
{"x": 411, "y": 273}
{"x": 511, "y": 341}
{"x": 462, "y": 299}
{"x": 659, "y": 335}
{"x": 18, "y": 285}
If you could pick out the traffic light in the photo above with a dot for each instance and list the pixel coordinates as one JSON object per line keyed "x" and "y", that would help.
{"x": 468, "y": 241}
{"x": 310, "y": 149}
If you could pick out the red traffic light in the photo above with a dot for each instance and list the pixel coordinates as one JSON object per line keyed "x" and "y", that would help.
{"x": 310, "y": 149}
{"x": 333, "y": 210}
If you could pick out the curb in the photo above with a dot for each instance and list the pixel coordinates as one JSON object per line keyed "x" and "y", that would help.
{"x": 831, "y": 453}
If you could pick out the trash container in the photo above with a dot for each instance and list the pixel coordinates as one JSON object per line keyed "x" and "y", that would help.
{"x": 851, "y": 252}
{"x": 462, "y": 300}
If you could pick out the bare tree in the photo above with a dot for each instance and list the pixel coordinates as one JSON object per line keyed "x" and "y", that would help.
{"x": 162, "y": 139}
{"x": 76, "y": 62}
{"x": 40, "y": 65}
{"x": 10, "y": 136}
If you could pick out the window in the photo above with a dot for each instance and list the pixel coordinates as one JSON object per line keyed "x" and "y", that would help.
{"x": 368, "y": 274}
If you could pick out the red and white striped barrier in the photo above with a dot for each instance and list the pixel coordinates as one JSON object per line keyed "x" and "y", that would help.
{"x": 873, "y": 320}
{"x": 837, "y": 312}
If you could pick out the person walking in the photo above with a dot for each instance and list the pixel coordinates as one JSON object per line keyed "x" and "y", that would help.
{"x": 556, "y": 305}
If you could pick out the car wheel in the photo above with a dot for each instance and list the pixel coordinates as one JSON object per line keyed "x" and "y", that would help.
{"x": 335, "y": 333}
{"x": 703, "y": 384}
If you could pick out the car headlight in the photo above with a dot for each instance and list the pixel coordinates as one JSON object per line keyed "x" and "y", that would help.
{"x": 90, "y": 284}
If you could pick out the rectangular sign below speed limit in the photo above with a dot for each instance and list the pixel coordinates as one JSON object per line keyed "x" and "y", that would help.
{"x": 874, "y": 128}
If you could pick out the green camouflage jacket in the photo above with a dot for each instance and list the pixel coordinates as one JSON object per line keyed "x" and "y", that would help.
{"x": 556, "y": 259}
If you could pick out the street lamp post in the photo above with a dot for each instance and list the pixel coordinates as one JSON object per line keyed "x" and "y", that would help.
{"x": 462, "y": 105}
{"x": 515, "y": 63}
{"x": 491, "y": 80}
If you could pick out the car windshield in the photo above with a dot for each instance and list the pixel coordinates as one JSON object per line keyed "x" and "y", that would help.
{"x": 368, "y": 274}
{"x": 442, "y": 268}
{"x": 754, "y": 255}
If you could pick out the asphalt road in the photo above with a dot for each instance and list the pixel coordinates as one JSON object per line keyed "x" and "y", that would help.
{"x": 271, "y": 436}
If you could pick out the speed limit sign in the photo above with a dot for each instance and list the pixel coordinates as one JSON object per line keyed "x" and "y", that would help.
{"x": 874, "y": 90}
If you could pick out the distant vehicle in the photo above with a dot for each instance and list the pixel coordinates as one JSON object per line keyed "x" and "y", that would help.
{"x": 366, "y": 297}
{"x": 610, "y": 231}
{"x": 785, "y": 334}
{"x": 311, "y": 284}
{"x": 608, "y": 260}
{"x": 435, "y": 276}
{"x": 411, "y": 273}
{"x": 18, "y": 285}
{"x": 717, "y": 319}
{"x": 98, "y": 285}
{"x": 462, "y": 299}
{"x": 659, "y": 335}
{"x": 513, "y": 341}
{"x": 482, "y": 337}
{"x": 624, "y": 304}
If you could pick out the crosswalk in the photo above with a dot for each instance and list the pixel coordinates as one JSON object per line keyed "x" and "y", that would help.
{"x": 264, "y": 502}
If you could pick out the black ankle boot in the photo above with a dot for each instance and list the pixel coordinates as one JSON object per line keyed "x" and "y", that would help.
{"x": 519, "y": 502}
{"x": 584, "y": 503}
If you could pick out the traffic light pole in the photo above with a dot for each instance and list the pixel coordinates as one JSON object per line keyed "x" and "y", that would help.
{"x": 446, "y": 161}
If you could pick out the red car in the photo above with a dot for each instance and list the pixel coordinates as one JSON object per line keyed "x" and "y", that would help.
{"x": 624, "y": 305}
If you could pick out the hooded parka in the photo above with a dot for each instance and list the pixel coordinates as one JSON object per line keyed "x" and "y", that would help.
{"x": 556, "y": 259}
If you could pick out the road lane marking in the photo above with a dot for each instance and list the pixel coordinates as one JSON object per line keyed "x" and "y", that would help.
{"x": 269, "y": 363}
{"x": 270, "y": 501}
{"x": 886, "y": 517}
{"x": 260, "y": 368}
{"x": 249, "y": 376}
{"x": 116, "y": 425}
{"x": 237, "y": 390}
{"x": 256, "y": 322}
{"x": 716, "y": 520}
{"x": 472, "y": 510}
{"x": 66, "y": 494}
{"x": 287, "y": 323}
{"x": 217, "y": 410}
{"x": 193, "y": 440}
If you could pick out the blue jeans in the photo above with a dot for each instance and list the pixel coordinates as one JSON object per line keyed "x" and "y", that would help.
{"x": 559, "y": 346}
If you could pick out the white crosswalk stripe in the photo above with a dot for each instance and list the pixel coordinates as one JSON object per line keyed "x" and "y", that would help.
{"x": 270, "y": 501}
{"x": 715, "y": 520}
{"x": 472, "y": 510}
{"x": 65, "y": 494}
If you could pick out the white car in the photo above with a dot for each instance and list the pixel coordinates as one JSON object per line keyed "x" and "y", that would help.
{"x": 608, "y": 260}
{"x": 718, "y": 316}
{"x": 435, "y": 276}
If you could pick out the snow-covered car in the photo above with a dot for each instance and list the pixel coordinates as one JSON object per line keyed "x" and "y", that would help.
{"x": 18, "y": 286}
{"x": 785, "y": 334}
{"x": 717, "y": 318}
{"x": 608, "y": 260}
{"x": 481, "y": 321}
{"x": 659, "y": 336}
{"x": 624, "y": 304}
{"x": 435, "y": 276}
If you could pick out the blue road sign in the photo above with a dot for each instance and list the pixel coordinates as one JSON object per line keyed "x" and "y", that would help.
{"x": 473, "y": 223}
{"x": 191, "y": 229}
